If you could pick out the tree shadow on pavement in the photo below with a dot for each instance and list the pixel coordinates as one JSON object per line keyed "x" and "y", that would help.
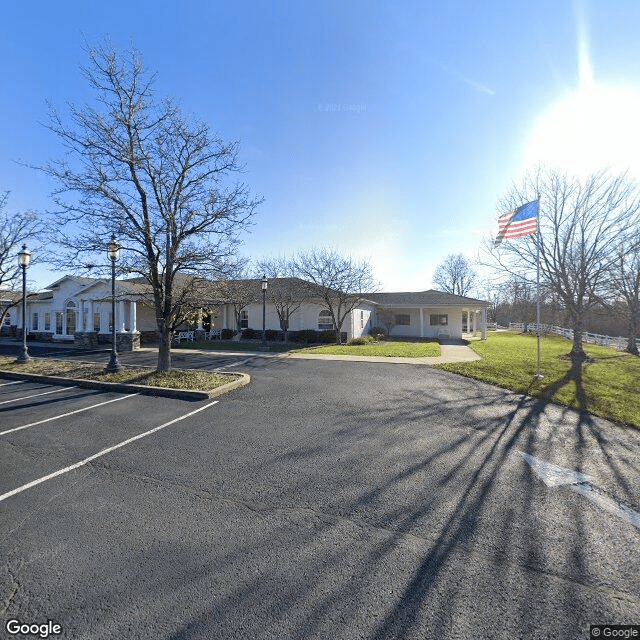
{"x": 404, "y": 514}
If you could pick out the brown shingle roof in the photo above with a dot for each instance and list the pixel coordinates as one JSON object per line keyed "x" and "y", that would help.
{"x": 430, "y": 298}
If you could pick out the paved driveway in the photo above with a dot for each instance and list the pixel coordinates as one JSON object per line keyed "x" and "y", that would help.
{"x": 324, "y": 500}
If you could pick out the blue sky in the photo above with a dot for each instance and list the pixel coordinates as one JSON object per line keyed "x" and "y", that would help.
{"x": 388, "y": 130}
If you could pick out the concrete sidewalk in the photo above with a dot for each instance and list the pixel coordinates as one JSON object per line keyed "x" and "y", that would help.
{"x": 448, "y": 353}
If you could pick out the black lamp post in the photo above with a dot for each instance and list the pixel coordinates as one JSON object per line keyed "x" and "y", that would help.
{"x": 265, "y": 284}
{"x": 113, "y": 251}
{"x": 23, "y": 260}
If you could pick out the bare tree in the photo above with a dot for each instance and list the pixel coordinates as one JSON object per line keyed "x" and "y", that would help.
{"x": 239, "y": 290}
{"x": 286, "y": 291}
{"x": 454, "y": 275}
{"x": 15, "y": 230}
{"x": 339, "y": 281}
{"x": 138, "y": 168}
{"x": 581, "y": 221}
{"x": 625, "y": 277}
{"x": 522, "y": 297}
{"x": 387, "y": 318}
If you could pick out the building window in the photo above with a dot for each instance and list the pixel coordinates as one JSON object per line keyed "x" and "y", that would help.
{"x": 362, "y": 319}
{"x": 244, "y": 319}
{"x": 325, "y": 322}
{"x": 438, "y": 319}
{"x": 96, "y": 321}
{"x": 34, "y": 321}
{"x": 59, "y": 316}
{"x": 403, "y": 319}
{"x": 71, "y": 318}
{"x": 47, "y": 321}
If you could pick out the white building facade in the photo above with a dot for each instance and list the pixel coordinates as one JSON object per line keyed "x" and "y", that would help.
{"x": 78, "y": 310}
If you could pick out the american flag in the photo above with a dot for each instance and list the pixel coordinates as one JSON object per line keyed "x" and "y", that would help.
{"x": 518, "y": 223}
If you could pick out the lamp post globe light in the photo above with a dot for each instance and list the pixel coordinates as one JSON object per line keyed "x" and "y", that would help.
{"x": 24, "y": 258}
{"x": 113, "y": 251}
{"x": 264, "y": 284}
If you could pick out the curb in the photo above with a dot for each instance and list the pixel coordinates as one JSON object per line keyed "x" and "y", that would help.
{"x": 168, "y": 392}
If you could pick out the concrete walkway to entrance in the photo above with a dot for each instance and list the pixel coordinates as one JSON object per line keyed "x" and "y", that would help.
{"x": 455, "y": 352}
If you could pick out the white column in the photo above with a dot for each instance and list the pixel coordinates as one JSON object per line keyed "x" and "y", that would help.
{"x": 90, "y": 318}
{"x": 421, "y": 322}
{"x": 132, "y": 317}
{"x": 105, "y": 309}
{"x": 83, "y": 323}
{"x": 200, "y": 319}
{"x": 483, "y": 323}
{"x": 120, "y": 315}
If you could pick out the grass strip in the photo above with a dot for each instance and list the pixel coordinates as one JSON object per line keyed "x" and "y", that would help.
{"x": 230, "y": 345}
{"x": 391, "y": 349}
{"x": 190, "y": 380}
{"x": 609, "y": 386}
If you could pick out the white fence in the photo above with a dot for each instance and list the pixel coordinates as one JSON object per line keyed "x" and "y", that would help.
{"x": 593, "y": 338}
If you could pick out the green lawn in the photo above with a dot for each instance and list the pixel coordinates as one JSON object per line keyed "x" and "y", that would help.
{"x": 389, "y": 349}
{"x": 610, "y": 380}
{"x": 193, "y": 380}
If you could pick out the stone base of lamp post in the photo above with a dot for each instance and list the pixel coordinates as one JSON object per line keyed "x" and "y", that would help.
{"x": 113, "y": 366}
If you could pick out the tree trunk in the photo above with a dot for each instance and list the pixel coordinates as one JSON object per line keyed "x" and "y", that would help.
{"x": 578, "y": 356}
{"x": 632, "y": 347}
{"x": 164, "y": 350}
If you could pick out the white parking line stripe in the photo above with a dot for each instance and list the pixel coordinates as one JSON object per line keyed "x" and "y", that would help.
{"x": 4, "y": 384}
{"x": 36, "y": 395}
{"x": 234, "y": 364}
{"x": 24, "y": 487}
{"x": 64, "y": 415}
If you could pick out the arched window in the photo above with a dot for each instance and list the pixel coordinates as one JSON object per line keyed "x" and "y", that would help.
{"x": 325, "y": 322}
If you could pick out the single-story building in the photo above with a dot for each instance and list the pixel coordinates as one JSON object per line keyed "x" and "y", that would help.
{"x": 78, "y": 309}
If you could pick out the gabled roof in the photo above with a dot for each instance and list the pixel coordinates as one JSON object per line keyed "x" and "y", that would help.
{"x": 430, "y": 298}
{"x": 82, "y": 281}
{"x": 128, "y": 286}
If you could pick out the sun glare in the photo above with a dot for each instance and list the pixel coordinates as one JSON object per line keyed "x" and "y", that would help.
{"x": 597, "y": 127}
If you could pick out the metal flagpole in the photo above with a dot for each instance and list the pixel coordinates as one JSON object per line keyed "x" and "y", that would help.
{"x": 538, "y": 235}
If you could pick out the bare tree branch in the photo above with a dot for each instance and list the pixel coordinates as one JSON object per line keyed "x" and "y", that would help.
{"x": 286, "y": 291}
{"x": 137, "y": 168}
{"x": 339, "y": 281}
{"x": 455, "y": 275}
{"x": 15, "y": 230}
{"x": 581, "y": 223}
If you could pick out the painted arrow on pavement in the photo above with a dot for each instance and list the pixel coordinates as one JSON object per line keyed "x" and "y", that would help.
{"x": 554, "y": 476}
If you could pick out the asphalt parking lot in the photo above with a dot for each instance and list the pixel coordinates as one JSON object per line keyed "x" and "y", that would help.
{"x": 324, "y": 500}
